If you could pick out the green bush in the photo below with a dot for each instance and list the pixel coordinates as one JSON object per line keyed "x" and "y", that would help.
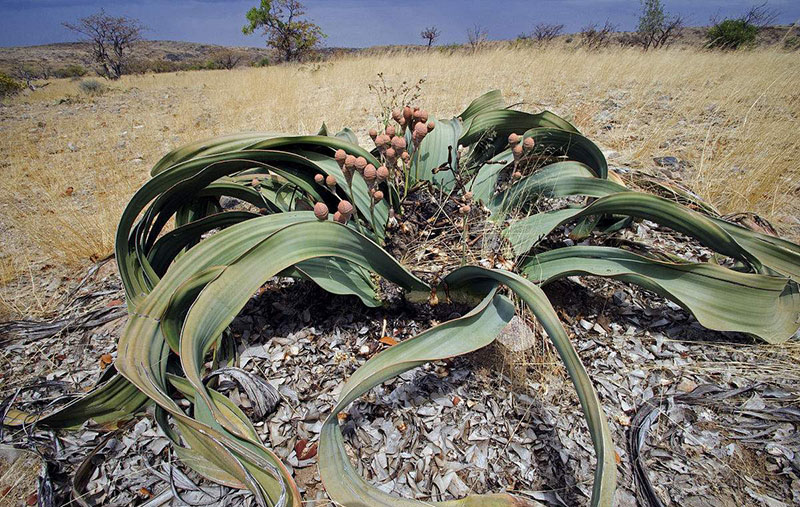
{"x": 70, "y": 71}
{"x": 262, "y": 62}
{"x": 92, "y": 87}
{"x": 9, "y": 86}
{"x": 732, "y": 34}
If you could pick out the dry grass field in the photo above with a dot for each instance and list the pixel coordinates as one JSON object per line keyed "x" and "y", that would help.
{"x": 731, "y": 118}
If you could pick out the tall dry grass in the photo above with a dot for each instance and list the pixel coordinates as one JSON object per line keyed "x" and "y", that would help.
{"x": 732, "y": 117}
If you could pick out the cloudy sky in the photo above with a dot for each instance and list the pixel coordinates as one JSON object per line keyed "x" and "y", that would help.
{"x": 353, "y": 23}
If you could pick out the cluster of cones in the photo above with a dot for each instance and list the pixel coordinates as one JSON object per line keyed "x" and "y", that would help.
{"x": 519, "y": 150}
{"x": 343, "y": 212}
{"x": 415, "y": 119}
{"x": 392, "y": 146}
{"x": 350, "y": 164}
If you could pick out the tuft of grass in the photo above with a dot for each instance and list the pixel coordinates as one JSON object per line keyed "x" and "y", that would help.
{"x": 731, "y": 118}
{"x": 92, "y": 87}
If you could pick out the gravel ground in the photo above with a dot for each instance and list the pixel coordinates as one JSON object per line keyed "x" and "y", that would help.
{"x": 721, "y": 408}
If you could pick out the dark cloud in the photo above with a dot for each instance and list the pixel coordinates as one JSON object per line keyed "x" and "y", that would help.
{"x": 354, "y": 23}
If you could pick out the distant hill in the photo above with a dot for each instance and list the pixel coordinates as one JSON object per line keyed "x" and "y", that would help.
{"x": 174, "y": 55}
{"x": 60, "y": 55}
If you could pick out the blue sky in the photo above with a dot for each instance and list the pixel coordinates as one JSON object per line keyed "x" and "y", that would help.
{"x": 353, "y": 23}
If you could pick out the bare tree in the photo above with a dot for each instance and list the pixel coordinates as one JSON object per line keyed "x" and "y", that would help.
{"x": 477, "y": 36}
{"x": 111, "y": 39}
{"x": 596, "y": 37}
{"x": 430, "y": 34}
{"x": 27, "y": 74}
{"x": 760, "y": 15}
{"x": 226, "y": 58}
{"x": 546, "y": 32}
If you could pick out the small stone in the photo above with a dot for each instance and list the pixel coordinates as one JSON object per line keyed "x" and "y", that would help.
{"x": 517, "y": 336}
{"x": 667, "y": 162}
{"x": 687, "y": 386}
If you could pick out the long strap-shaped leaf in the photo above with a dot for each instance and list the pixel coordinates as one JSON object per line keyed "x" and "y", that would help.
{"x": 222, "y": 299}
{"x": 556, "y": 142}
{"x": 503, "y": 122}
{"x": 488, "y": 101}
{"x": 561, "y": 179}
{"x": 438, "y": 149}
{"x": 114, "y": 398}
{"x": 529, "y": 231}
{"x": 781, "y": 255}
{"x": 168, "y": 191}
{"x": 720, "y": 298}
{"x": 143, "y": 354}
{"x": 606, "y": 471}
{"x": 474, "y": 330}
{"x": 586, "y": 161}
{"x": 263, "y": 141}
{"x": 143, "y": 347}
{"x": 335, "y": 276}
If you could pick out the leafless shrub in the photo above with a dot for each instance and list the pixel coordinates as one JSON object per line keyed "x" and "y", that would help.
{"x": 596, "y": 37}
{"x": 27, "y": 73}
{"x": 91, "y": 87}
{"x": 430, "y": 34}
{"x": 477, "y": 37}
{"x": 760, "y": 15}
{"x": 111, "y": 39}
{"x": 546, "y": 32}
{"x": 226, "y": 58}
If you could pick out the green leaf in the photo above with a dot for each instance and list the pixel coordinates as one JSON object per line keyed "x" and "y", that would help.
{"x": 486, "y": 102}
{"x": 340, "y": 277}
{"x": 222, "y": 299}
{"x": 561, "y": 179}
{"x": 500, "y": 123}
{"x": 111, "y": 400}
{"x": 474, "y": 330}
{"x": 529, "y": 231}
{"x": 780, "y": 255}
{"x": 438, "y": 149}
{"x": 465, "y": 279}
{"x": 721, "y": 299}
{"x": 555, "y": 142}
{"x": 347, "y": 135}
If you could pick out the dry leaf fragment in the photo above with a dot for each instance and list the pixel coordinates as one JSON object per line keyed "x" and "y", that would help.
{"x": 304, "y": 450}
{"x": 105, "y": 360}
{"x": 388, "y": 340}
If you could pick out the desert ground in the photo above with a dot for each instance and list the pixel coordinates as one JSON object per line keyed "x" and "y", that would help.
{"x": 723, "y": 124}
